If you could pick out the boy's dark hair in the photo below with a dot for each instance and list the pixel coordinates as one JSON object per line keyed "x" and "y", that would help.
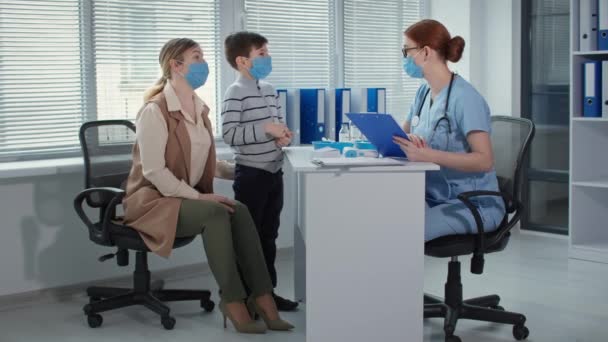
{"x": 240, "y": 44}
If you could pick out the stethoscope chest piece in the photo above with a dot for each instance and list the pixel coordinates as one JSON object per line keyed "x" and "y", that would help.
{"x": 415, "y": 121}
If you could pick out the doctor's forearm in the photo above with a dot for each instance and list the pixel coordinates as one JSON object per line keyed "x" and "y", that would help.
{"x": 465, "y": 162}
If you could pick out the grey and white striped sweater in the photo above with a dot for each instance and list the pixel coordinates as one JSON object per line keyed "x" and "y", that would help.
{"x": 248, "y": 105}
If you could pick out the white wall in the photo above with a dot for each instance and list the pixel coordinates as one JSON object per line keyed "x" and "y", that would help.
{"x": 43, "y": 244}
{"x": 455, "y": 15}
{"x": 491, "y": 30}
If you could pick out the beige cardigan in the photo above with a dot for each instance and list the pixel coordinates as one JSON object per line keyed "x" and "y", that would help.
{"x": 153, "y": 215}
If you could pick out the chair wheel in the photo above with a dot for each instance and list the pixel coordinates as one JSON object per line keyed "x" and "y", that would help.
{"x": 520, "y": 332}
{"x": 452, "y": 338}
{"x": 207, "y": 305}
{"x": 94, "y": 320}
{"x": 168, "y": 322}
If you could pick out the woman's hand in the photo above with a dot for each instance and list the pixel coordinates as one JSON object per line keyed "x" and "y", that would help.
{"x": 225, "y": 201}
{"x": 416, "y": 149}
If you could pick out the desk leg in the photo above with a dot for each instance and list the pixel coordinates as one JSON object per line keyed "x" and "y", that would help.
{"x": 299, "y": 267}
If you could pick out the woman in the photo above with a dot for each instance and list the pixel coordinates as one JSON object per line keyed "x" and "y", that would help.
{"x": 449, "y": 125}
{"x": 170, "y": 189}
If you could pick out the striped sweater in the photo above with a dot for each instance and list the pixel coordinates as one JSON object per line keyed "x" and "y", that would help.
{"x": 248, "y": 106}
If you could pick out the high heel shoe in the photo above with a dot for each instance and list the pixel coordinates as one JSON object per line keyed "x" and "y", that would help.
{"x": 245, "y": 328}
{"x": 277, "y": 324}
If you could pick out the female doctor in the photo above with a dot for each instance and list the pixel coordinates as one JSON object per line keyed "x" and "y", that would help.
{"x": 449, "y": 125}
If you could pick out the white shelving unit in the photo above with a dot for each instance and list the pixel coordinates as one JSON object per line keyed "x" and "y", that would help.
{"x": 588, "y": 161}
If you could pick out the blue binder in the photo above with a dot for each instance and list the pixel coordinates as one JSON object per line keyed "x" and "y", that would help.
{"x": 369, "y": 100}
{"x": 312, "y": 115}
{"x": 602, "y": 34}
{"x": 376, "y": 100}
{"x": 592, "y": 89}
{"x": 380, "y": 129}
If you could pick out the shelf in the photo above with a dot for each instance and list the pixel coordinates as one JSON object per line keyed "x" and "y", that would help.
{"x": 594, "y": 184}
{"x": 590, "y": 53}
{"x": 586, "y": 119}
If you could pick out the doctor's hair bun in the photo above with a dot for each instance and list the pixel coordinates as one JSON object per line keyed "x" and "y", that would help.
{"x": 454, "y": 49}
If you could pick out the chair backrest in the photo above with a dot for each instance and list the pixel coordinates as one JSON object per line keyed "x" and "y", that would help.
{"x": 107, "y": 147}
{"x": 511, "y": 139}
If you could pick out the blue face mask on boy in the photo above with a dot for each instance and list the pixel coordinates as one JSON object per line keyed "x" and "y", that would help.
{"x": 261, "y": 67}
{"x": 410, "y": 67}
{"x": 197, "y": 74}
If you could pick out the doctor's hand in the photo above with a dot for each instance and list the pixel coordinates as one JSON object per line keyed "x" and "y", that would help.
{"x": 416, "y": 150}
{"x": 417, "y": 140}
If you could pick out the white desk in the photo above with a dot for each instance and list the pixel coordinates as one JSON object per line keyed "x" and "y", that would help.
{"x": 359, "y": 249}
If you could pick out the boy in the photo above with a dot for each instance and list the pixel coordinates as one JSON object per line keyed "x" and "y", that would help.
{"x": 254, "y": 126}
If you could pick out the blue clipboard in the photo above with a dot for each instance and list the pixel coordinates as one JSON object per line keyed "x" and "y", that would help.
{"x": 380, "y": 129}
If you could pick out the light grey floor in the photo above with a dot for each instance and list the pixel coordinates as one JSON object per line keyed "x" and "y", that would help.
{"x": 564, "y": 300}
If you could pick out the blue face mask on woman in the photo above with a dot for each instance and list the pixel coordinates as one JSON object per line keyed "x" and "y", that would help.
{"x": 261, "y": 67}
{"x": 197, "y": 74}
{"x": 410, "y": 67}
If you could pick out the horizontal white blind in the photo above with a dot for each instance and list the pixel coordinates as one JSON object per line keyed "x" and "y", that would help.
{"x": 373, "y": 38}
{"x": 128, "y": 36}
{"x": 41, "y": 84}
{"x": 300, "y": 35}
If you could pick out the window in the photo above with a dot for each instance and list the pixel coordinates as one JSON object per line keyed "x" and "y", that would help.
{"x": 300, "y": 38}
{"x": 41, "y": 84}
{"x": 63, "y": 62}
{"x": 373, "y": 37}
{"x": 127, "y": 37}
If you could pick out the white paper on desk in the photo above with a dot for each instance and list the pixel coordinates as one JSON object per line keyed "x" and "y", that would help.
{"x": 359, "y": 161}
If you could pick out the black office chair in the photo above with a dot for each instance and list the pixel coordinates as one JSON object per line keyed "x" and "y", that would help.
{"x": 107, "y": 148}
{"x": 511, "y": 138}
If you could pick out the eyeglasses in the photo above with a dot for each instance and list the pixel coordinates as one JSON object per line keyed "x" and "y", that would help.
{"x": 406, "y": 49}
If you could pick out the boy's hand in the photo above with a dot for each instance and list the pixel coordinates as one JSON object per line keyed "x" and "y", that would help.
{"x": 284, "y": 141}
{"x": 276, "y": 130}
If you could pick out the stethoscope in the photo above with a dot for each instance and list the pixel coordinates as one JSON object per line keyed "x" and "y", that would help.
{"x": 416, "y": 119}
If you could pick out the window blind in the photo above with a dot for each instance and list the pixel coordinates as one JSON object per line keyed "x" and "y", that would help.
{"x": 373, "y": 38}
{"x": 41, "y": 78}
{"x": 127, "y": 38}
{"x": 301, "y": 40}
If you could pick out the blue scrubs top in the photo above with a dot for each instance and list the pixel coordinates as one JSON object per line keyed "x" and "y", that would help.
{"x": 467, "y": 112}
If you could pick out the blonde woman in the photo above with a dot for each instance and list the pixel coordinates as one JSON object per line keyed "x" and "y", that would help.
{"x": 170, "y": 189}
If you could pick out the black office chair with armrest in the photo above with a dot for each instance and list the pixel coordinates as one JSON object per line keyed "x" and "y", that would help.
{"x": 107, "y": 148}
{"x": 511, "y": 139}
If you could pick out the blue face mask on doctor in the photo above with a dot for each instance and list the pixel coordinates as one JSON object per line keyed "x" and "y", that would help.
{"x": 410, "y": 67}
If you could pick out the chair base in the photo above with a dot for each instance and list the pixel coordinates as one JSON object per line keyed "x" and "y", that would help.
{"x": 485, "y": 309}
{"x": 150, "y": 295}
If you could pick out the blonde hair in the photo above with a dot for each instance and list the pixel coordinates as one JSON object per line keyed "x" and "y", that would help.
{"x": 173, "y": 49}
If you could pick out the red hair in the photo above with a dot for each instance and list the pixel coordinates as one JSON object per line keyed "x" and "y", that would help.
{"x": 433, "y": 34}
